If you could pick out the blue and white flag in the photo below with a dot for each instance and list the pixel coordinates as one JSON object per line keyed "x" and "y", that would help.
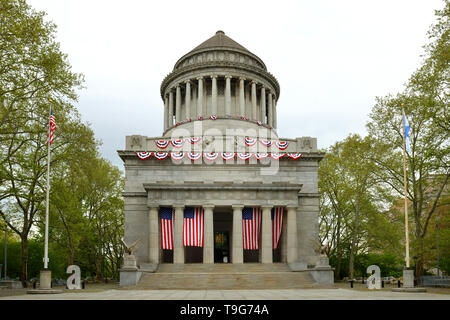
{"x": 406, "y": 133}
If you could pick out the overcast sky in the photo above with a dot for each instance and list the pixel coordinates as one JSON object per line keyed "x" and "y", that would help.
{"x": 331, "y": 58}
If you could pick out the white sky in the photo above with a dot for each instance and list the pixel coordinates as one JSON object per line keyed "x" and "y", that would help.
{"x": 331, "y": 58}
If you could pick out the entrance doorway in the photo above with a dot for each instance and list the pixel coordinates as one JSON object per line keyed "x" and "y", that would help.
{"x": 221, "y": 247}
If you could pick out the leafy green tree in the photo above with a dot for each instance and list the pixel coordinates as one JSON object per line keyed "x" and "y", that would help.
{"x": 426, "y": 102}
{"x": 350, "y": 197}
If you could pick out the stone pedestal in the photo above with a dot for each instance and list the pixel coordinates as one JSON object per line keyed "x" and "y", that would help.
{"x": 129, "y": 274}
{"x": 323, "y": 262}
{"x": 408, "y": 278}
{"x": 45, "y": 279}
{"x": 323, "y": 273}
{"x": 45, "y": 284}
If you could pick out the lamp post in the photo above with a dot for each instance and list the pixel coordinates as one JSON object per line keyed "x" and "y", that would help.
{"x": 437, "y": 243}
{"x": 6, "y": 248}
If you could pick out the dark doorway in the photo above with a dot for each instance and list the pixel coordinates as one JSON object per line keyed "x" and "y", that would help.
{"x": 221, "y": 247}
{"x": 193, "y": 254}
{"x": 167, "y": 256}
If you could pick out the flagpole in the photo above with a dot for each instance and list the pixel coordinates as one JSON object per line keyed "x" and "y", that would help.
{"x": 48, "y": 192}
{"x": 405, "y": 185}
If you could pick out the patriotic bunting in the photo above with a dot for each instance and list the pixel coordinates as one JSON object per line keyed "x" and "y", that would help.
{"x": 259, "y": 123}
{"x": 251, "y": 221}
{"x": 162, "y": 144}
{"x": 177, "y": 143}
{"x": 194, "y": 155}
{"x": 160, "y": 155}
{"x": 227, "y": 155}
{"x": 177, "y": 155}
{"x": 282, "y": 144}
{"x": 193, "y": 227}
{"x": 249, "y": 141}
{"x": 143, "y": 155}
{"x": 244, "y": 156}
{"x": 260, "y": 156}
{"x": 194, "y": 140}
{"x": 211, "y": 156}
{"x": 266, "y": 143}
{"x": 166, "y": 215}
{"x": 213, "y": 117}
{"x": 277, "y": 225}
{"x": 294, "y": 156}
{"x": 276, "y": 156}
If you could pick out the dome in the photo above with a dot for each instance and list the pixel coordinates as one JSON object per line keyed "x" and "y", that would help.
{"x": 220, "y": 42}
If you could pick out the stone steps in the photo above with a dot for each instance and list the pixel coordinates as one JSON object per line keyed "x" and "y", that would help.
{"x": 225, "y": 276}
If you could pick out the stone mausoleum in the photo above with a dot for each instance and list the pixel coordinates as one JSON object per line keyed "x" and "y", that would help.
{"x": 220, "y": 154}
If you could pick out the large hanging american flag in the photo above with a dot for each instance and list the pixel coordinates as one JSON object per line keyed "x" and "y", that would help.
{"x": 166, "y": 214}
{"x": 193, "y": 227}
{"x": 277, "y": 225}
{"x": 251, "y": 222}
{"x": 52, "y": 127}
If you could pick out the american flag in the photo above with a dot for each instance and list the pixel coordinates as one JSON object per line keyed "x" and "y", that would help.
{"x": 251, "y": 222}
{"x": 166, "y": 214}
{"x": 52, "y": 126}
{"x": 193, "y": 227}
{"x": 277, "y": 225}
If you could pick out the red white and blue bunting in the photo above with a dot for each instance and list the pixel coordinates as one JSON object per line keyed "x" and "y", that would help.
{"x": 213, "y": 117}
{"x": 162, "y": 144}
{"x": 282, "y": 144}
{"x": 161, "y": 155}
{"x": 211, "y": 156}
{"x": 177, "y": 155}
{"x": 194, "y": 155}
{"x": 194, "y": 140}
{"x": 143, "y": 155}
{"x": 177, "y": 143}
{"x": 266, "y": 143}
{"x": 228, "y": 155}
{"x": 249, "y": 141}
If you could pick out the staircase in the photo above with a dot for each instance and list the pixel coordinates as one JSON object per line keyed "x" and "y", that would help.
{"x": 225, "y": 276}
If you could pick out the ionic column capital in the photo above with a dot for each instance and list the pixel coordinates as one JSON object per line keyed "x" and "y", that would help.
{"x": 291, "y": 207}
{"x": 187, "y": 82}
{"x": 178, "y": 206}
{"x": 237, "y": 206}
{"x": 266, "y": 206}
{"x": 199, "y": 78}
{"x": 242, "y": 79}
{"x": 208, "y": 206}
{"x": 228, "y": 77}
{"x": 214, "y": 76}
{"x": 254, "y": 82}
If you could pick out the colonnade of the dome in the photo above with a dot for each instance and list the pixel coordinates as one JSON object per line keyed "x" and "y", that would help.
{"x": 220, "y": 95}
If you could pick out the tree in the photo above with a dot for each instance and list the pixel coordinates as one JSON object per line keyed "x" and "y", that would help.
{"x": 33, "y": 72}
{"x": 426, "y": 101}
{"x": 349, "y": 197}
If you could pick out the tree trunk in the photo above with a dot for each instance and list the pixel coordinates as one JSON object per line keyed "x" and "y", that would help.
{"x": 24, "y": 259}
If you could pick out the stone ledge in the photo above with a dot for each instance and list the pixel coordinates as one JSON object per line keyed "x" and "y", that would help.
{"x": 44, "y": 291}
{"x": 417, "y": 289}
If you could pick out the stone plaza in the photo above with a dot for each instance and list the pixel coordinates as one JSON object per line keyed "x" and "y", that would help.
{"x": 220, "y": 154}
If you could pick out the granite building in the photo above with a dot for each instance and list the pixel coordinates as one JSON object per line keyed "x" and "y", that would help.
{"x": 220, "y": 151}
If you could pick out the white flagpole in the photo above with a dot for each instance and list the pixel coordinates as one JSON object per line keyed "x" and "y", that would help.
{"x": 405, "y": 184}
{"x": 48, "y": 193}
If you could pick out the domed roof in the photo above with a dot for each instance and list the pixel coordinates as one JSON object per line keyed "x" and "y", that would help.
{"x": 219, "y": 42}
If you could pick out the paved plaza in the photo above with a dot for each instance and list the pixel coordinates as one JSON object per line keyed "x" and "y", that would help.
{"x": 287, "y": 294}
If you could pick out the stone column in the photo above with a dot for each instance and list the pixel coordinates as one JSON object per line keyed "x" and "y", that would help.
{"x": 253, "y": 100}
{"x": 178, "y": 105}
{"x": 214, "y": 94}
{"x": 178, "y": 248}
{"x": 170, "y": 123}
{"x": 291, "y": 234}
{"x": 262, "y": 115}
{"x": 270, "y": 115}
{"x": 166, "y": 112}
{"x": 187, "y": 99}
{"x": 241, "y": 97}
{"x": 200, "y": 97}
{"x": 153, "y": 239}
{"x": 238, "y": 244}
{"x": 266, "y": 235}
{"x": 208, "y": 233}
{"x": 274, "y": 112}
{"x": 228, "y": 95}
